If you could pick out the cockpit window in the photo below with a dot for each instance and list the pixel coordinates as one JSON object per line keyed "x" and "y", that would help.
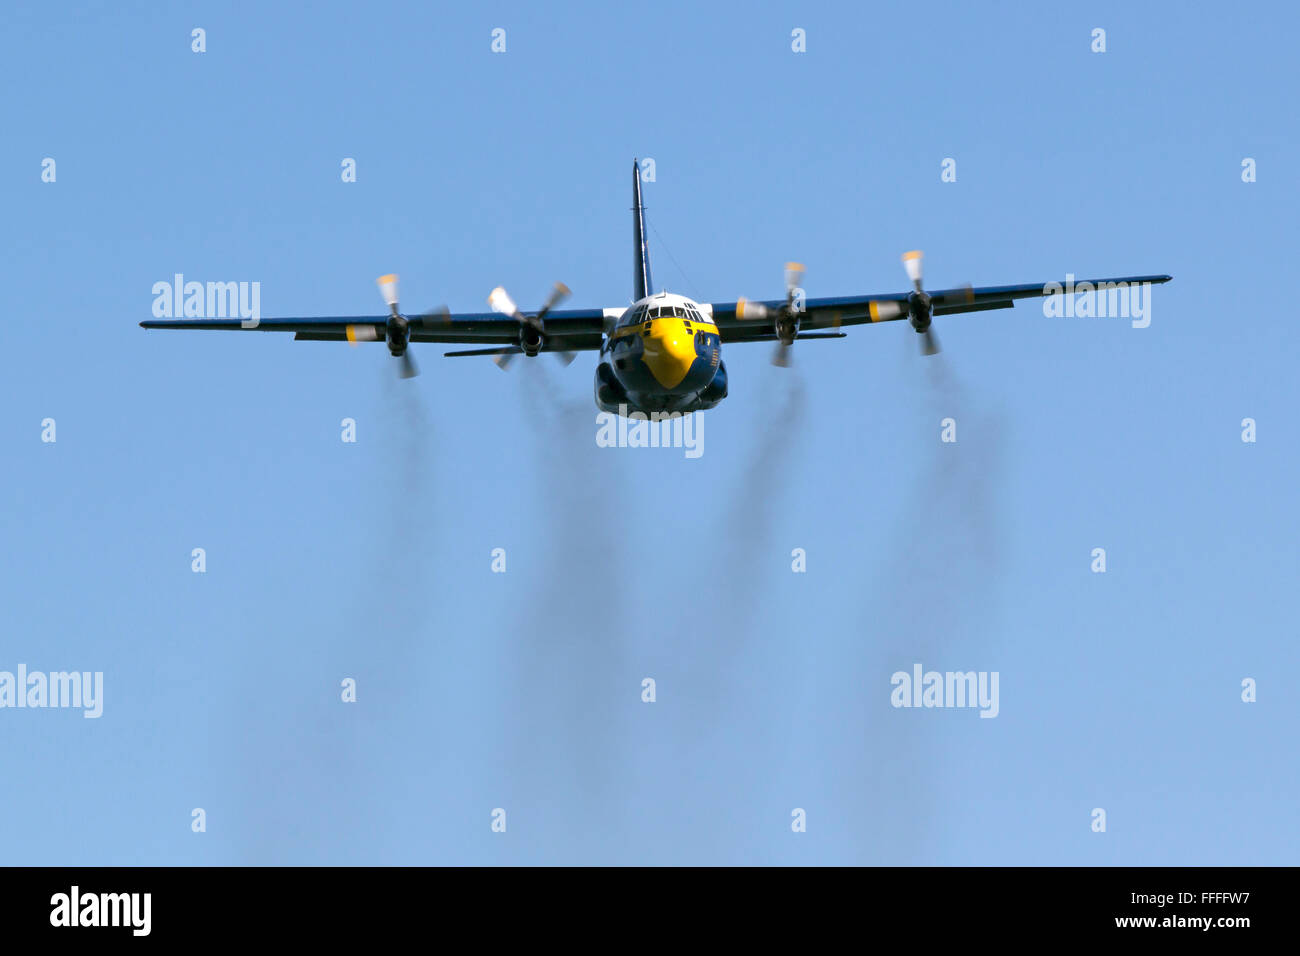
{"x": 648, "y": 312}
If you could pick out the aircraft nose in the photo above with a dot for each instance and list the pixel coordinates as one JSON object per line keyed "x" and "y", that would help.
{"x": 669, "y": 352}
{"x": 678, "y": 343}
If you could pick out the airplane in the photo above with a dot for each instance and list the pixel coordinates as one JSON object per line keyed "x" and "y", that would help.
{"x": 663, "y": 353}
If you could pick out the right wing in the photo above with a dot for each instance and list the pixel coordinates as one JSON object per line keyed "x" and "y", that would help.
{"x": 832, "y": 313}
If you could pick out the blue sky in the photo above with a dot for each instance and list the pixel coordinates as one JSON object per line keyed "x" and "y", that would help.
{"x": 522, "y": 690}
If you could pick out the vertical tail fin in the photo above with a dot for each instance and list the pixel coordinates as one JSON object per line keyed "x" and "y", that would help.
{"x": 641, "y": 285}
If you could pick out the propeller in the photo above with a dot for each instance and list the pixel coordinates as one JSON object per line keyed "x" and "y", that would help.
{"x": 532, "y": 327}
{"x": 785, "y": 317}
{"x": 439, "y": 315}
{"x": 399, "y": 327}
{"x": 919, "y": 305}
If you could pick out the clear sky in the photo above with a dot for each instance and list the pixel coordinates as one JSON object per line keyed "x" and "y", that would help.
{"x": 372, "y": 560}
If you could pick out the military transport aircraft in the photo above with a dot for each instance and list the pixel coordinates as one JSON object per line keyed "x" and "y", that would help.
{"x": 663, "y": 353}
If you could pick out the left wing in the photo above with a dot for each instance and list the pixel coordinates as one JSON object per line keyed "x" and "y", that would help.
{"x": 831, "y": 313}
{"x": 572, "y": 330}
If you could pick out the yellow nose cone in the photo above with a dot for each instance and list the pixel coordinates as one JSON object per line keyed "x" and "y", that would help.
{"x": 669, "y": 351}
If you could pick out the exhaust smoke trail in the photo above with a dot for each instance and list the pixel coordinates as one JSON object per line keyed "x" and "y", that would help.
{"x": 934, "y": 602}
{"x": 381, "y": 636}
{"x": 721, "y": 648}
{"x": 764, "y": 483}
{"x": 571, "y": 683}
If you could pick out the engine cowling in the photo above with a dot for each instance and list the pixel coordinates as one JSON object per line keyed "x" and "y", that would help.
{"x": 786, "y": 328}
{"x": 398, "y": 334}
{"x": 531, "y": 340}
{"x": 919, "y": 311}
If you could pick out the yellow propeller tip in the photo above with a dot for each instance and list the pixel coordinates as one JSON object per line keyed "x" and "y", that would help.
{"x": 914, "y": 254}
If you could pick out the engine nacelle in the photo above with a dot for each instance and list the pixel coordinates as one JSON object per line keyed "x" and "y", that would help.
{"x": 398, "y": 335}
{"x": 786, "y": 327}
{"x": 919, "y": 311}
{"x": 530, "y": 340}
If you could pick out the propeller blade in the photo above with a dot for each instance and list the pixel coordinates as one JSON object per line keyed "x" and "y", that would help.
{"x": 912, "y": 263}
{"x": 439, "y": 315}
{"x": 883, "y": 311}
{"x": 963, "y": 295}
{"x": 500, "y": 301}
{"x": 781, "y": 355}
{"x": 558, "y": 295}
{"x": 407, "y": 367}
{"x": 503, "y": 359}
{"x": 750, "y": 310}
{"x": 929, "y": 343}
{"x": 361, "y": 333}
{"x": 793, "y": 276}
{"x": 388, "y": 289}
{"x": 565, "y": 357}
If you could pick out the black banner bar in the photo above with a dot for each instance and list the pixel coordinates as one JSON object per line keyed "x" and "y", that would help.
{"x": 335, "y": 905}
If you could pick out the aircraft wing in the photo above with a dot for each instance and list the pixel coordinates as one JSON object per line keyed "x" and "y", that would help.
{"x": 572, "y": 330}
{"x": 832, "y": 313}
